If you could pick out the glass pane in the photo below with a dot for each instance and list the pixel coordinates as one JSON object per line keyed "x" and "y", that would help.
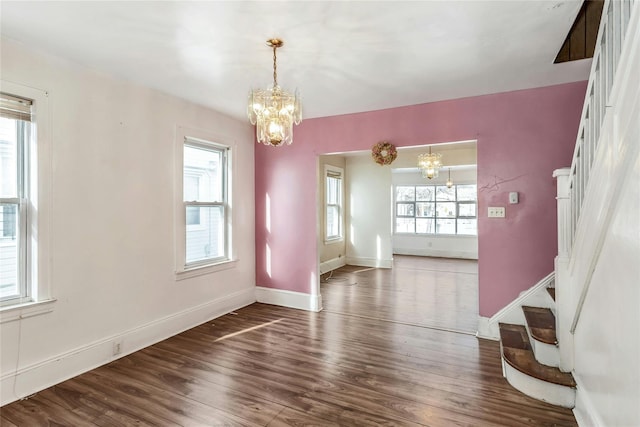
{"x": 466, "y": 192}
{"x": 203, "y": 169}
{"x": 425, "y": 226}
{"x": 405, "y": 194}
{"x": 405, "y": 225}
{"x": 446, "y": 226}
{"x": 405, "y": 209}
{"x": 333, "y": 221}
{"x": 333, "y": 191}
{"x": 193, "y": 215}
{"x": 191, "y": 188}
{"x": 425, "y": 209}
{"x": 8, "y": 157}
{"x": 468, "y": 226}
{"x": 9, "y": 286}
{"x": 206, "y": 241}
{"x": 446, "y": 210}
{"x": 445, "y": 194}
{"x": 425, "y": 193}
{"x": 466, "y": 209}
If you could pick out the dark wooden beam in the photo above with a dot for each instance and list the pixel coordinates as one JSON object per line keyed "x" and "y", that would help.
{"x": 581, "y": 40}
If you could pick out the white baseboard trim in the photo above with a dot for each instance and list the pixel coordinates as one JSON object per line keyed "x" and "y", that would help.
{"x": 438, "y": 253}
{"x": 290, "y": 299}
{"x": 370, "y": 262}
{"x": 584, "y": 411}
{"x": 485, "y": 331}
{"x": 488, "y": 328}
{"x": 38, "y": 376}
{"x": 332, "y": 264}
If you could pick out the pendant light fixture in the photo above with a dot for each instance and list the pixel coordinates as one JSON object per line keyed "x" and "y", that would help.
{"x": 449, "y": 182}
{"x": 274, "y": 111}
{"x": 430, "y": 164}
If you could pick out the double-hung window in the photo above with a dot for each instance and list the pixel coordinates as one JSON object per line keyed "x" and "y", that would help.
{"x": 25, "y": 188}
{"x": 15, "y": 134}
{"x": 205, "y": 203}
{"x": 436, "y": 209}
{"x": 333, "y": 203}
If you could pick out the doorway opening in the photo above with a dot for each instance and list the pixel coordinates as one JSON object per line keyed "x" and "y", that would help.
{"x": 401, "y": 257}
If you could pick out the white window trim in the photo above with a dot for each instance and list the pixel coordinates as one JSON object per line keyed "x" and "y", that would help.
{"x": 340, "y": 238}
{"x": 39, "y": 221}
{"x": 182, "y": 271}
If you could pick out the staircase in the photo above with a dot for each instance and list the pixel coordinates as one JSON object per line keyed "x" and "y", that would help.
{"x": 589, "y": 340}
{"x": 530, "y": 355}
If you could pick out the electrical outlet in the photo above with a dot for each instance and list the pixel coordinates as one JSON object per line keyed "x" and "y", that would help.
{"x": 496, "y": 212}
{"x": 117, "y": 347}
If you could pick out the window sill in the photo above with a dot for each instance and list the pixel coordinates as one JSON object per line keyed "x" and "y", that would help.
{"x": 201, "y": 270}
{"x": 25, "y": 310}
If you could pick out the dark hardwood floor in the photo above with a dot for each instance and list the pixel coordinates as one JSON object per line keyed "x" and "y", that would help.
{"x": 267, "y": 365}
{"x": 433, "y": 292}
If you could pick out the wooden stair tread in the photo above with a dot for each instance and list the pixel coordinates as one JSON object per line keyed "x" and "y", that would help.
{"x": 518, "y": 353}
{"x": 511, "y": 336}
{"x": 552, "y": 292}
{"x": 542, "y": 324}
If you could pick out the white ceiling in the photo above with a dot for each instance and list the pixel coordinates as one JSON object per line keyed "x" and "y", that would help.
{"x": 343, "y": 56}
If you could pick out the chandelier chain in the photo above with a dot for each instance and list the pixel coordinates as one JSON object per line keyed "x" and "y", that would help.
{"x": 275, "y": 73}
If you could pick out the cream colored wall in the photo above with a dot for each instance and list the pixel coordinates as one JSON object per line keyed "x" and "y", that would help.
{"x": 112, "y": 224}
{"x": 369, "y": 213}
{"x": 337, "y": 249}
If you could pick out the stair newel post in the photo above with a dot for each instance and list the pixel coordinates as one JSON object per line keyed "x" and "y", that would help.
{"x": 563, "y": 291}
{"x": 564, "y": 211}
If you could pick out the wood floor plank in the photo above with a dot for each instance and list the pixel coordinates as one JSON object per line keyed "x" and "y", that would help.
{"x": 168, "y": 405}
{"x": 4, "y": 422}
{"x": 372, "y": 358}
{"x": 436, "y": 293}
{"x": 455, "y": 400}
{"x": 35, "y": 413}
{"x": 285, "y": 388}
{"x": 215, "y": 395}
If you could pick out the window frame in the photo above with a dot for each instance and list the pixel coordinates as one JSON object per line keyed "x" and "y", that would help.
{"x": 335, "y": 172}
{"x": 434, "y": 218}
{"x": 34, "y": 216}
{"x": 21, "y": 224}
{"x": 209, "y": 141}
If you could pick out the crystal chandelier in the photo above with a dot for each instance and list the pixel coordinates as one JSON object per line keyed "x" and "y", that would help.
{"x": 273, "y": 110}
{"x": 430, "y": 164}
{"x": 449, "y": 182}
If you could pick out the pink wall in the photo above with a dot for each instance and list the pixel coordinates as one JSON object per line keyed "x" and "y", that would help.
{"x": 522, "y": 137}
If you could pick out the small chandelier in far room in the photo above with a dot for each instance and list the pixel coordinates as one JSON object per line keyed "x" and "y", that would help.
{"x": 274, "y": 111}
{"x": 430, "y": 164}
{"x": 449, "y": 182}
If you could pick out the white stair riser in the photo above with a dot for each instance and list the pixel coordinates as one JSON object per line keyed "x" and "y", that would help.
{"x": 548, "y": 392}
{"x": 547, "y": 354}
